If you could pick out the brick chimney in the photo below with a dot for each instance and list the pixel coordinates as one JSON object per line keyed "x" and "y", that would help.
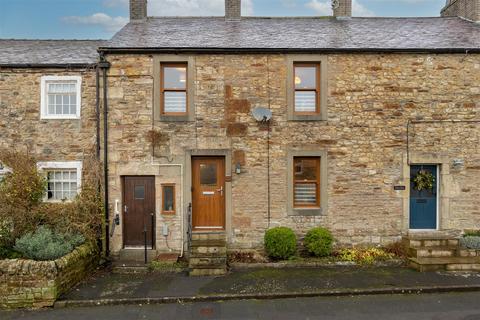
{"x": 233, "y": 10}
{"x": 138, "y": 9}
{"x": 342, "y": 8}
{"x": 468, "y": 9}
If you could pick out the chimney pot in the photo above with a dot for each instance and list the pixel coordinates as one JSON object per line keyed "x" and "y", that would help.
{"x": 342, "y": 8}
{"x": 233, "y": 10}
{"x": 468, "y": 9}
{"x": 138, "y": 9}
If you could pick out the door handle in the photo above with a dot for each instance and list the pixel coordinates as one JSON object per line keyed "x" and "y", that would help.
{"x": 220, "y": 190}
{"x": 125, "y": 209}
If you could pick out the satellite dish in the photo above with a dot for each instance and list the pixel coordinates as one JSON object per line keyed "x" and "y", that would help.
{"x": 262, "y": 114}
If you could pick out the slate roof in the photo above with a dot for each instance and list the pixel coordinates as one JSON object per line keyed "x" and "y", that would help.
{"x": 298, "y": 33}
{"x": 48, "y": 52}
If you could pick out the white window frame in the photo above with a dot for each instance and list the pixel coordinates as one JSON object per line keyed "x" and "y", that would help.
{"x": 44, "y": 97}
{"x": 67, "y": 165}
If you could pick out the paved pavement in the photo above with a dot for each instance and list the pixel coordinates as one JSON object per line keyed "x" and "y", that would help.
{"x": 263, "y": 281}
{"x": 451, "y": 306}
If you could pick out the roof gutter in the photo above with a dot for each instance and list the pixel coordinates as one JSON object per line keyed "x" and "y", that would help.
{"x": 131, "y": 50}
{"x": 48, "y": 65}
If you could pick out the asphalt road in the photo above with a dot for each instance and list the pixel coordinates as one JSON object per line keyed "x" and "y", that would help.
{"x": 451, "y": 306}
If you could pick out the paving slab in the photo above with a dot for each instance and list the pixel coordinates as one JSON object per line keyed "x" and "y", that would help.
{"x": 263, "y": 281}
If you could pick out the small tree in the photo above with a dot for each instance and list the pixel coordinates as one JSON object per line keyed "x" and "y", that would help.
{"x": 22, "y": 209}
{"x": 21, "y": 191}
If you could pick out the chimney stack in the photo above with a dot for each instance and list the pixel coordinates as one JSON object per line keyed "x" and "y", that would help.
{"x": 342, "y": 8}
{"x": 138, "y": 9}
{"x": 468, "y": 9}
{"x": 233, "y": 10}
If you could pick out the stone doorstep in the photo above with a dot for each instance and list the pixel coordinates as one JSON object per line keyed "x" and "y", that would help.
{"x": 463, "y": 252}
{"x": 207, "y": 262}
{"x": 208, "y": 272}
{"x": 448, "y": 260}
{"x": 420, "y": 243}
{"x": 196, "y": 236}
{"x": 208, "y": 243}
{"x": 445, "y": 263}
{"x": 463, "y": 267}
{"x": 137, "y": 255}
{"x": 214, "y": 250}
{"x": 433, "y": 252}
{"x": 419, "y": 235}
{"x": 130, "y": 270}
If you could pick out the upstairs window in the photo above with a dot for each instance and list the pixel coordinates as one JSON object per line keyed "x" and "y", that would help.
{"x": 174, "y": 88}
{"x": 60, "y": 97}
{"x": 306, "y": 180}
{"x": 307, "y": 88}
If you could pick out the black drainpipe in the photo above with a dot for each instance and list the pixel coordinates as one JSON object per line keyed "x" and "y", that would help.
{"x": 104, "y": 65}
{"x": 97, "y": 111}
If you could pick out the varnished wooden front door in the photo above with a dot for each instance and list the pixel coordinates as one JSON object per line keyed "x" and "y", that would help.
{"x": 138, "y": 210}
{"x": 208, "y": 193}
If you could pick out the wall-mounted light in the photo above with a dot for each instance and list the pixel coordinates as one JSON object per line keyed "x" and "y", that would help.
{"x": 458, "y": 163}
{"x": 238, "y": 168}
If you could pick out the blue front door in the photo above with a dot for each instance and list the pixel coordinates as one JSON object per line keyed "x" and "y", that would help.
{"x": 423, "y": 203}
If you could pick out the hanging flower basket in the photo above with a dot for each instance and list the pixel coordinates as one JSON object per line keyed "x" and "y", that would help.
{"x": 424, "y": 180}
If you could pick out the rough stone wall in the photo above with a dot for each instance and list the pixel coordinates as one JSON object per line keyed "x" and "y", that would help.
{"x": 371, "y": 97}
{"x": 36, "y": 284}
{"x": 469, "y": 9}
{"x": 49, "y": 140}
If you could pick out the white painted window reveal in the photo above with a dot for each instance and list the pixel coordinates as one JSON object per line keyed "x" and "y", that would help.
{"x": 63, "y": 180}
{"x": 61, "y": 97}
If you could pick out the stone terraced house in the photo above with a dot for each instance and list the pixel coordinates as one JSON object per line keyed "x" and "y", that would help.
{"x": 214, "y": 129}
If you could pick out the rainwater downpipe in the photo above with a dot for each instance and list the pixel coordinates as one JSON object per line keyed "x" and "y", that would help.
{"x": 104, "y": 65}
{"x": 97, "y": 112}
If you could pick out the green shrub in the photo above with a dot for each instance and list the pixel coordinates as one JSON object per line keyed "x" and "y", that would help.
{"x": 43, "y": 244}
{"x": 471, "y": 242}
{"x": 280, "y": 243}
{"x": 318, "y": 242}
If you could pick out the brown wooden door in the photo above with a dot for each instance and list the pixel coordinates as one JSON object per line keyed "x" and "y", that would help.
{"x": 138, "y": 210}
{"x": 208, "y": 193}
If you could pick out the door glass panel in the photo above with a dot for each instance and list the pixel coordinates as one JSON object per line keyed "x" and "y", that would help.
{"x": 139, "y": 192}
{"x": 208, "y": 174}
